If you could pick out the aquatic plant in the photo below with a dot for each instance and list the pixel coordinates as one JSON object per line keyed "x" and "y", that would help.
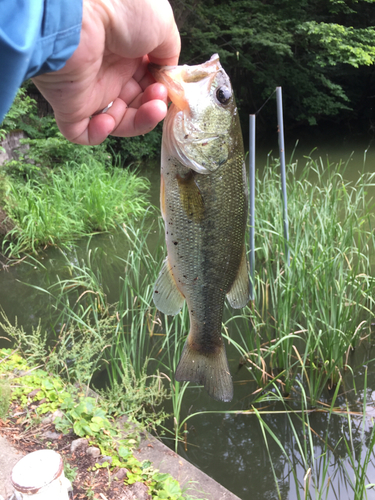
{"x": 310, "y": 314}
{"x": 306, "y": 317}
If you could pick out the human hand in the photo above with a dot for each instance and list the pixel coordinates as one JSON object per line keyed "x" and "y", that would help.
{"x": 118, "y": 40}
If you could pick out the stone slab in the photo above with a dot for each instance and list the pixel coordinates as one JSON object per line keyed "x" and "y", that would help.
{"x": 195, "y": 482}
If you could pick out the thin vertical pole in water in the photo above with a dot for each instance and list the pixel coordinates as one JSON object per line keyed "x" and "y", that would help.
{"x": 252, "y": 202}
{"x": 280, "y": 122}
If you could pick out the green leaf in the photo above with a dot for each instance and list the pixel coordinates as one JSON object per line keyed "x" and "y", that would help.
{"x": 94, "y": 427}
{"x": 124, "y": 452}
{"x": 47, "y": 384}
{"x": 97, "y": 420}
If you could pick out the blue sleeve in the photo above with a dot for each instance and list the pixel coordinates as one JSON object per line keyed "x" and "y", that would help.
{"x": 36, "y": 36}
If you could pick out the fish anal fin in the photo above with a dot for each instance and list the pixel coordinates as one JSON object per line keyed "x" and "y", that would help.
{"x": 239, "y": 294}
{"x": 167, "y": 297}
{"x": 210, "y": 370}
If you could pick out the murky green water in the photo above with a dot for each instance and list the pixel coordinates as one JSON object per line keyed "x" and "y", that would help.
{"x": 230, "y": 448}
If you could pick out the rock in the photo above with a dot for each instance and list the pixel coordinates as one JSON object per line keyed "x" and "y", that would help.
{"x": 137, "y": 491}
{"x": 81, "y": 444}
{"x": 93, "y": 452}
{"x": 120, "y": 474}
{"x": 104, "y": 459}
{"x": 52, "y": 435}
{"x": 57, "y": 414}
{"x": 47, "y": 419}
{"x": 13, "y": 147}
{"x": 33, "y": 393}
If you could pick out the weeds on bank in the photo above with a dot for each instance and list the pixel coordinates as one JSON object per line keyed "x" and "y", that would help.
{"x": 4, "y": 398}
{"x": 71, "y": 202}
{"x": 79, "y": 354}
{"x": 88, "y": 418}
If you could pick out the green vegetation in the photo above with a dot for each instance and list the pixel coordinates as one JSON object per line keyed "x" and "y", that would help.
{"x": 71, "y": 202}
{"x": 317, "y": 460}
{"x": 295, "y": 340}
{"x": 56, "y": 191}
{"x": 310, "y": 315}
{"x": 4, "y": 398}
{"x": 48, "y": 147}
{"x": 321, "y": 53}
{"x": 89, "y": 418}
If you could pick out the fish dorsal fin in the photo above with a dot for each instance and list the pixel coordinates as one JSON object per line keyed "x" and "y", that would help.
{"x": 239, "y": 294}
{"x": 167, "y": 297}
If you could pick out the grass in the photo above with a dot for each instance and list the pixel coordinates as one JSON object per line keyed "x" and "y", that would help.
{"x": 4, "y": 398}
{"x": 322, "y": 461}
{"x": 71, "y": 202}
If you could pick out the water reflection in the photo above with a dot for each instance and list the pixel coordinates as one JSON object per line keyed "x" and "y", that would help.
{"x": 241, "y": 454}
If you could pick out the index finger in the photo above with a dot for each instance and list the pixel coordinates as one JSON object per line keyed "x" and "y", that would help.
{"x": 168, "y": 52}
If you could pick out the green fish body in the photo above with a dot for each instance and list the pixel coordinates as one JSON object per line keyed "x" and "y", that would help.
{"x": 204, "y": 203}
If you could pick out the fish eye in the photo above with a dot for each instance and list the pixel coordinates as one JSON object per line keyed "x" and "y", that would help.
{"x": 223, "y": 95}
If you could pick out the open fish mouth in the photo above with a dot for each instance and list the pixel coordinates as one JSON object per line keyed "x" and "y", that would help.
{"x": 177, "y": 78}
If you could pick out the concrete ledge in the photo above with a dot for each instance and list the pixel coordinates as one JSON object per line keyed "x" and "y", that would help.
{"x": 9, "y": 456}
{"x": 195, "y": 482}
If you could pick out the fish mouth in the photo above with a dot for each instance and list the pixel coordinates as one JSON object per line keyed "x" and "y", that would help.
{"x": 177, "y": 78}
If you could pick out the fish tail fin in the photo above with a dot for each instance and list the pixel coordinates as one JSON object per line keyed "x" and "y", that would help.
{"x": 210, "y": 370}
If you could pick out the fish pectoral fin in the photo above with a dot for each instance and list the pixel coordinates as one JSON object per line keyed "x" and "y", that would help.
{"x": 239, "y": 294}
{"x": 210, "y": 370}
{"x": 191, "y": 196}
{"x": 167, "y": 297}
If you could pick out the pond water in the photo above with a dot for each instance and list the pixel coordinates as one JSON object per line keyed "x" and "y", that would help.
{"x": 231, "y": 448}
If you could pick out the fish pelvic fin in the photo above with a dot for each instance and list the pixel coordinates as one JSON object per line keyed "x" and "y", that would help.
{"x": 210, "y": 370}
{"x": 167, "y": 297}
{"x": 239, "y": 295}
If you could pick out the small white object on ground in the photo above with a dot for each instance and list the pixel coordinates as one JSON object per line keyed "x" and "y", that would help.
{"x": 93, "y": 452}
{"x": 40, "y": 476}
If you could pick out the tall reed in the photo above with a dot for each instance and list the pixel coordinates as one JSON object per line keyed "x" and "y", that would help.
{"x": 321, "y": 306}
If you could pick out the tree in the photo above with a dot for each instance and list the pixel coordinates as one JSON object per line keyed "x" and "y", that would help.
{"x": 320, "y": 51}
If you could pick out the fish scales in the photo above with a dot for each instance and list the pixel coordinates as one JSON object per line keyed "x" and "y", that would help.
{"x": 204, "y": 205}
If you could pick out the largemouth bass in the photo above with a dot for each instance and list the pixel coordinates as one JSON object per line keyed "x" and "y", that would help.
{"x": 204, "y": 204}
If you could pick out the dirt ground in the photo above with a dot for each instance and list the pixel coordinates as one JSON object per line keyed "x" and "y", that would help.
{"x": 17, "y": 438}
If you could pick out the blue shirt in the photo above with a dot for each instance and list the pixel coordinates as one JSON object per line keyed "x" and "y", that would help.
{"x": 36, "y": 36}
